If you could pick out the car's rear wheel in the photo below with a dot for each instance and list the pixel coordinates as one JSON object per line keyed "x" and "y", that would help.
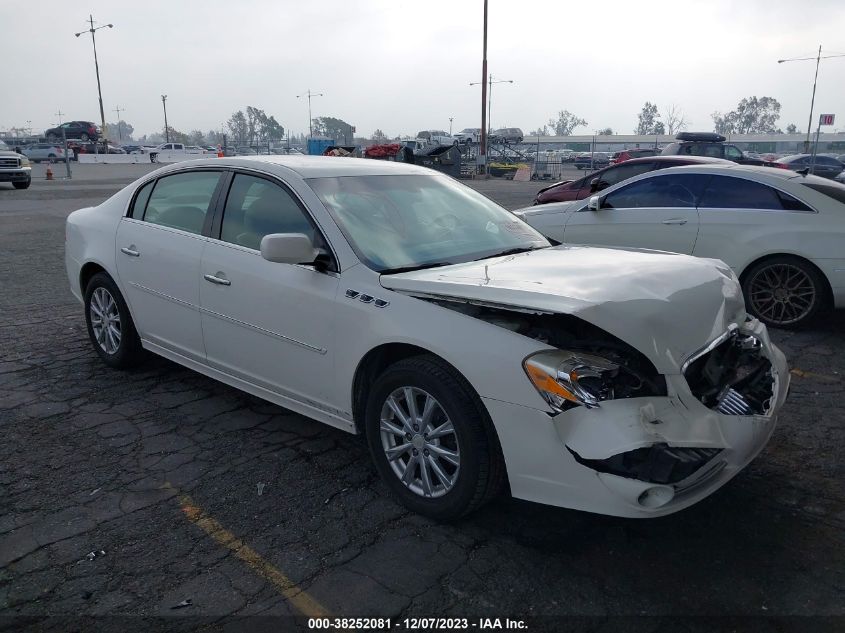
{"x": 22, "y": 184}
{"x": 783, "y": 291}
{"x": 431, "y": 440}
{"x": 110, "y": 326}
{"x": 84, "y": 137}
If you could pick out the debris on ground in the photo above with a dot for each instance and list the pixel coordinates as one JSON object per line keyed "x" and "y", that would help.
{"x": 185, "y": 603}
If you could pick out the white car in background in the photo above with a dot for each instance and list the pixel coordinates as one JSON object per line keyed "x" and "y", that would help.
{"x": 469, "y": 135}
{"x": 782, "y": 233}
{"x": 50, "y": 152}
{"x": 383, "y": 298}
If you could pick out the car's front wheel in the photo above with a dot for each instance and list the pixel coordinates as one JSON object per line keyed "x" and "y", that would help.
{"x": 110, "y": 325}
{"x": 23, "y": 184}
{"x": 431, "y": 440}
{"x": 783, "y": 291}
{"x": 84, "y": 137}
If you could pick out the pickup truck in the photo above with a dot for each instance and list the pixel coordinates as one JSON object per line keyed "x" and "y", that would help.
{"x": 173, "y": 148}
{"x": 14, "y": 168}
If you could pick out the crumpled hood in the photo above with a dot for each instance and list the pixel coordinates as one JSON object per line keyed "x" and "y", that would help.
{"x": 665, "y": 305}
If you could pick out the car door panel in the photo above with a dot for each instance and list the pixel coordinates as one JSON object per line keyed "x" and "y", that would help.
{"x": 159, "y": 268}
{"x": 272, "y": 324}
{"x": 657, "y": 213}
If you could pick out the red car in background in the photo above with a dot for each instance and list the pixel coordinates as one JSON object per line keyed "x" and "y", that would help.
{"x": 628, "y": 154}
{"x": 603, "y": 178}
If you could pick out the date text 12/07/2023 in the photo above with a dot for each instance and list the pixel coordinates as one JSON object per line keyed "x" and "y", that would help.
{"x": 416, "y": 624}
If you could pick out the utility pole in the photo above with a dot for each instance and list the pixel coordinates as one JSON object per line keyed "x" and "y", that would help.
{"x": 482, "y": 146}
{"x": 166, "y": 128}
{"x": 59, "y": 114}
{"x": 450, "y": 126}
{"x": 118, "y": 109}
{"x": 310, "y": 94}
{"x": 93, "y": 30}
{"x": 818, "y": 59}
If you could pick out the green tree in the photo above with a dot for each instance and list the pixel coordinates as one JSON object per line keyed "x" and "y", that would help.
{"x": 379, "y": 136}
{"x": 648, "y": 121}
{"x": 120, "y": 131}
{"x": 237, "y": 125}
{"x": 792, "y": 129}
{"x": 565, "y": 123}
{"x": 196, "y": 137}
{"x": 176, "y": 136}
{"x": 540, "y": 131}
{"x": 607, "y": 131}
{"x": 337, "y": 129}
{"x": 752, "y": 116}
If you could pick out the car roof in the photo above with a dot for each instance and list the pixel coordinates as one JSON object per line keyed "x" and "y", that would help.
{"x": 728, "y": 168}
{"x": 314, "y": 166}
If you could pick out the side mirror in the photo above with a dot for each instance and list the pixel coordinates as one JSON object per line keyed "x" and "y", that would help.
{"x": 594, "y": 204}
{"x": 288, "y": 248}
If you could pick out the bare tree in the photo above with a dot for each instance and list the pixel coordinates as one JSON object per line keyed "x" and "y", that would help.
{"x": 676, "y": 120}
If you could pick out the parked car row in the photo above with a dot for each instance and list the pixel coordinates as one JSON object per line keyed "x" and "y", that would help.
{"x": 376, "y": 296}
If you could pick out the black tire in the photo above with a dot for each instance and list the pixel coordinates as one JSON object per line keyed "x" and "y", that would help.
{"x": 129, "y": 351}
{"x": 784, "y": 291}
{"x": 22, "y": 185}
{"x": 84, "y": 137}
{"x": 482, "y": 472}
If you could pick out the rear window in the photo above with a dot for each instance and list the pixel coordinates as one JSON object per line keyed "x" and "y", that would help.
{"x": 832, "y": 190}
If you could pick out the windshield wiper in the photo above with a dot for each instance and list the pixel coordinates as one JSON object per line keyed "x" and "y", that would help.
{"x": 408, "y": 269}
{"x": 511, "y": 251}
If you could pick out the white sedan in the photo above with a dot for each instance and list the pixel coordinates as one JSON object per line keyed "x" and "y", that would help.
{"x": 782, "y": 233}
{"x": 386, "y": 299}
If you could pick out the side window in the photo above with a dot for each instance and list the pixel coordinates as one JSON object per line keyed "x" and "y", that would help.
{"x": 727, "y": 192}
{"x": 623, "y": 172}
{"x": 182, "y": 201}
{"x": 670, "y": 190}
{"x": 715, "y": 151}
{"x": 141, "y": 199}
{"x": 732, "y": 152}
{"x": 256, "y": 207}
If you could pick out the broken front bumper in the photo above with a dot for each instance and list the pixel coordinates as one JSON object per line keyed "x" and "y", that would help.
{"x": 637, "y": 457}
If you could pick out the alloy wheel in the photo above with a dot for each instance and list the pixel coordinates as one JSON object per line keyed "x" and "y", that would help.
{"x": 782, "y": 293}
{"x": 420, "y": 442}
{"x": 105, "y": 320}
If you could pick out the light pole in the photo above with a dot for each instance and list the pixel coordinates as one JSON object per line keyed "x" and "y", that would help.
{"x": 490, "y": 82}
{"x": 92, "y": 31}
{"x": 450, "y": 126}
{"x": 818, "y": 59}
{"x": 29, "y": 127}
{"x": 118, "y": 109}
{"x": 59, "y": 114}
{"x": 166, "y": 128}
{"x": 310, "y": 94}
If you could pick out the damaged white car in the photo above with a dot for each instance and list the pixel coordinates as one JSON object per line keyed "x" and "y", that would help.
{"x": 385, "y": 299}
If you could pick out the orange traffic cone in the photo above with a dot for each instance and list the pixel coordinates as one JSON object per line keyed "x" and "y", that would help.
{"x": 49, "y": 173}
{"x": 219, "y": 152}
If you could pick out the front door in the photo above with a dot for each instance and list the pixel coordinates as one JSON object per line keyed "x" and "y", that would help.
{"x": 657, "y": 213}
{"x": 268, "y": 323}
{"x": 159, "y": 250}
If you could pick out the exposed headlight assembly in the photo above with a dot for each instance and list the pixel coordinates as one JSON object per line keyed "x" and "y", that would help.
{"x": 566, "y": 378}
{"x": 24, "y": 162}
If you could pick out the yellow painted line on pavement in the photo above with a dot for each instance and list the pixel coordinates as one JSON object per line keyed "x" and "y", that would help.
{"x": 296, "y": 597}
{"x": 809, "y": 374}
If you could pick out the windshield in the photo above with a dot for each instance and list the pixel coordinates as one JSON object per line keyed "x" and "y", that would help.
{"x": 402, "y": 222}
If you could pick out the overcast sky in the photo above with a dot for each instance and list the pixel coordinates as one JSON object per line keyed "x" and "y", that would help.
{"x": 405, "y": 65}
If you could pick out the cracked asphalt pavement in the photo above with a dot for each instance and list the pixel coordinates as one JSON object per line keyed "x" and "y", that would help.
{"x": 129, "y": 492}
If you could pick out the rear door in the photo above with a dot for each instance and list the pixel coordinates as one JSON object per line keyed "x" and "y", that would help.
{"x": 159, "y": 249}
{"x": 658, "y": 213}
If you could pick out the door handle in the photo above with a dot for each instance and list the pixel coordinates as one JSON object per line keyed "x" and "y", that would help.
{"x": 130, "y": 251}
{"x": 217, "y": 280}
{"x": 675, "y": 221}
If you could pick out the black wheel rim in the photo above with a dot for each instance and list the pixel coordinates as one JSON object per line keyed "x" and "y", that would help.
{"x": 782, "y": 293}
